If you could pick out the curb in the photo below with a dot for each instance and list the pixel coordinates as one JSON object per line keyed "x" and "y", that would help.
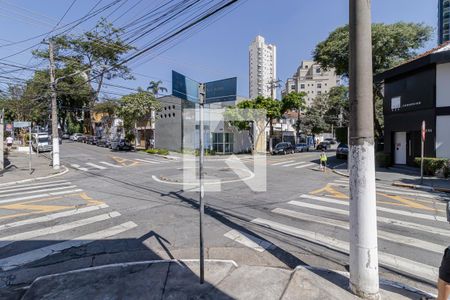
{"x": 37, "y": 178}
{"x": 385, "y": 282}
{"x": 421, "y": 187}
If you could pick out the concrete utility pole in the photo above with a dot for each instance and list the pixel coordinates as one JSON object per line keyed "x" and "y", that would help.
{"x": 55, "y": 134}
{"x": 202, "y": 188}
{"x": 364, "y": 280}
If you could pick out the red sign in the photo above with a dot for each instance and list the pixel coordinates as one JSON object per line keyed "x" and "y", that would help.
{"x": 423, "y": 131}
{"x": 9, "y": 127}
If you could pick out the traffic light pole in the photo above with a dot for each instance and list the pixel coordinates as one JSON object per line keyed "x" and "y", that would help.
{"x": 364, "y": 281}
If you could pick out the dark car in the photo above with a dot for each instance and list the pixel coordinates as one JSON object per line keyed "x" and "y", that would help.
{"x": 82, "y": 139}
{"x": 323, "y": 146}
{"x": 283, "y": 148}
{"x": 301, "y": 147}
{"x": 330, "y": 141}
{"x": 89, "y": 139}
{"x": 342, "y": 151}
{"x": 120, "y": 144}
{"x": 102, "y": 142}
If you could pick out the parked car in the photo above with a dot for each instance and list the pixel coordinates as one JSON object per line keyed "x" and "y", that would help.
{"x": 74, "y": 137}
{"x": 102, "y": 142}
{"x": 120, "y": 144}
{"x": 41, "y": 142}
{"x": 283, "y": 148}
{"x": 302, "y": 147}
{"x": 65, "y": 136}
{"x": 342, "y": 151}
{"x": 91, "y": 140}
{"x": 330, "y": 141}
{"x": 323, "y": 146}
{"x": 82, "y": 139}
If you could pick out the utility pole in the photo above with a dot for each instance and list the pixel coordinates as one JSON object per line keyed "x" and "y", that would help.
{"x": 202, "y": 189}
{"x": 55, "y": 134}
{"x": 364, "y": 281}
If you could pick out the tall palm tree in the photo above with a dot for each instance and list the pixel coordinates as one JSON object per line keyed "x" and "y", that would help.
{"x": 155, "y": 87}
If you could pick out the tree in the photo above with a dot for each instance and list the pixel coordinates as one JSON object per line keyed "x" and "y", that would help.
{"x": 392, "y": 44}
{"x": 135, "y": 107}
{"x": 294, "y": 101}
{"x": 97, "y": 55}
{"x": 338, "y": 106}
{"x": 155, "y": 87}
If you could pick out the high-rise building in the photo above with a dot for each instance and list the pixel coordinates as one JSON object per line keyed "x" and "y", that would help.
{"x": 311, "y": 79}
{"x": 262, "y": 69}
{"x": 444, "y": 21}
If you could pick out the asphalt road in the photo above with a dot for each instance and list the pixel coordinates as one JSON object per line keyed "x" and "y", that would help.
{"x": 126, "y": 206}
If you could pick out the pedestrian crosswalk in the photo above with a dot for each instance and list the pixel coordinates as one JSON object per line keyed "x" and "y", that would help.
{"x": 294, "y": 164}
{"x": 52, "y": 222}
{"x": 104, "y": 165}
{"x": 411, "y": 241}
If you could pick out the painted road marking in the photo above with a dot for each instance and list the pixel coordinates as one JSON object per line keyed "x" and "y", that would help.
{"x": 38, "y": 191}
{"x": 96, "y": 166}
{"x": 26, "y": 188}
{"x": 41, "y": 196}
{"x": 393, "y": 190}
{"x": 76, "y": 166}
{"x": 330, "y": 192}
{"x": 110, "y": 165}
{"x": 413, "y": 268}
{"x": 31, "y": 184}
{"x": 249, "y": 240}
{"x": 405, "y": 224}
{"x": 294, "y": 164}
{"x": 147, "y": 161}
{"x": 395, "y": 238}
{"x": 383, "y": 209}
{"x": 53, "y": 216}
{"x": 283, "y": 162}
{"x": 305, "y": 166}
{"x": 4, "y": 241}
{"x": 18, "y": 260}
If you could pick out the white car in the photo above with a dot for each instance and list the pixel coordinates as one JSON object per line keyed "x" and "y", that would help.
{"x": 74, "y": 137}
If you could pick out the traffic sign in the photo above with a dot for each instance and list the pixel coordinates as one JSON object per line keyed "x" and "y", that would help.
{"x": 21, "y": 124}
{"x": 9, "y": 127}
{"x": 423, "y": 131}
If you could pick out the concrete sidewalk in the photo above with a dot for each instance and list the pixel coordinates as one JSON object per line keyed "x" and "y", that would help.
{"x": 17, "y": 168}
{"x": 405, "y": 177}
{"x": 174, "y": 279}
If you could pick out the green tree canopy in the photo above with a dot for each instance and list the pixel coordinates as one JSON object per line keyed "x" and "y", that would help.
{"x": 391, "y": 45}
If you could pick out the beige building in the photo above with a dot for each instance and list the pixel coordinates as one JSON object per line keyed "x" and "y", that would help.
{"x": 312, "y": 79}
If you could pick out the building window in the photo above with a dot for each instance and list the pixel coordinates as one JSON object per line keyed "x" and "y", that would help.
{"x": 293, "y": 87}
{"x": 319, "y": 85}
{"x": 319, "y": 93}
{"x": 173, "y": 115}
{"x": 173, "y": 106}
{"x": 317, "y": 70}
{"x": 302, "y": 86}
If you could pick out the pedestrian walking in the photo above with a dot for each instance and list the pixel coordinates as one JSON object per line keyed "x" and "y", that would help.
{"x": 323, "y": 161}
{"x": 444, "y": 270}
{"x": 9, "y": 141}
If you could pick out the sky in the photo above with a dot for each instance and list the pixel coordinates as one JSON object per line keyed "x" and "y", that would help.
{"x": 221, "y": 49}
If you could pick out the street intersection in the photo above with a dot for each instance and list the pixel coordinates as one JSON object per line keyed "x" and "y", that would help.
{"x": 109, "y": 209}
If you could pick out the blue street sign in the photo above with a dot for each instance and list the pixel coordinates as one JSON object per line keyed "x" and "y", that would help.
{"x": 184, "y": 87}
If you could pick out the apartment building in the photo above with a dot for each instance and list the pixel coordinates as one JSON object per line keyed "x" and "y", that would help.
{"x": 443, "y": 21}
{"x": 312, "y": 79}
{"x": 262, "y": 68}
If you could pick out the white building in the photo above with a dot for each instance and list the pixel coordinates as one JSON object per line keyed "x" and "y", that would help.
{"x": 312, "y": 79}
{"x": 262, "y": 68}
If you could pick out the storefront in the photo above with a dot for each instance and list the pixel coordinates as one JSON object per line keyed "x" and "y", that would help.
{"x": 417, "y": 91}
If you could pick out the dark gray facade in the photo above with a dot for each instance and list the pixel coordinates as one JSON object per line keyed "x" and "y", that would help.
{"x": 169, "y": 123}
